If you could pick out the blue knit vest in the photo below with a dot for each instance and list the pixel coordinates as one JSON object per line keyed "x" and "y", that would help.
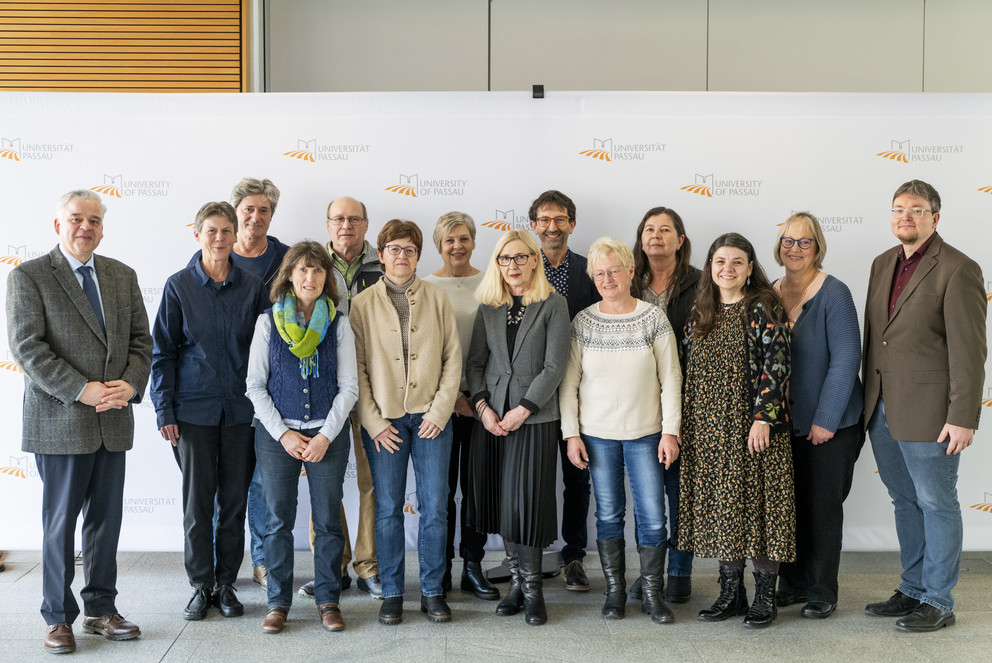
{"x": 296, "y": 397}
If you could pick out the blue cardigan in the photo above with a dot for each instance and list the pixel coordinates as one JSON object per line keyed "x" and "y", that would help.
{"x": 826, "y": 356}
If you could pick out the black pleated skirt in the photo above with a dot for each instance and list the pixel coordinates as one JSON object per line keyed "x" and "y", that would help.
{"x": 514, "y": 484}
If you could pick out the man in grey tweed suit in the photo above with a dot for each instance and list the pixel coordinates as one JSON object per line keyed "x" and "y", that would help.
{"x": 77, "y": 327}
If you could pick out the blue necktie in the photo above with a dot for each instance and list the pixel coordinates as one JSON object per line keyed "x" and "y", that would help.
{"x": 89, "y": 289}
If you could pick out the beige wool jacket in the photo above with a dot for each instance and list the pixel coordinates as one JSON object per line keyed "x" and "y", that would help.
{"x": 385, "y": 390}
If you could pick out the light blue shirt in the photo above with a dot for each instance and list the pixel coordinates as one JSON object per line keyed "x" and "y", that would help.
{"x": 74, "y": 264}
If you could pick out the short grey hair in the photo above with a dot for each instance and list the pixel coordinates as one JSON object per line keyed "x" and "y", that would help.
{"x": 604, "y": 246}
{"x": 249, "y": 186}
{"x": 85, "y": 194}
{"x": 221, "y": 208}
{"x": 449, "y": 222}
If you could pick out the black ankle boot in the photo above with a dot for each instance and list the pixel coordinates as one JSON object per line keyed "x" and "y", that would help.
{"x": 652, "y": 585}
{"x": 532, "y": 585}
{"x": 763, "y": 611}
{"x": 732, "y": 600}
{"x": 612, "y": 557}
{"x": 514, "y": 599}
{"x": 475, "y": 581}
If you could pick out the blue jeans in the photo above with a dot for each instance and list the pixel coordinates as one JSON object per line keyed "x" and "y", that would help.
{"x": 607, "y": 459}
{"x": 922, "y": 482}
{"x": 679, "y": 561}
{"x": 256, "y": 518}
{"x": 430, "y": 468}
{"x": 280, "y": 475}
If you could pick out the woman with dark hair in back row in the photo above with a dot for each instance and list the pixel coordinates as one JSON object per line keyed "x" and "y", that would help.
{"x": 737, "y": 496}
{"x": 664, "y": 277}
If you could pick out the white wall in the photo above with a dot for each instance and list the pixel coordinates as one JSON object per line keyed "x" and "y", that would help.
{"x": 692, "y": 45}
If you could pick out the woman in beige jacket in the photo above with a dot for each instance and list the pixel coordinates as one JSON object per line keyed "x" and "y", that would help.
{"x": 409, "y": 370}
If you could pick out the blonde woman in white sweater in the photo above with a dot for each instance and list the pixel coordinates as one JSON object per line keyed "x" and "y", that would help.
{"x": 621, "y": 408}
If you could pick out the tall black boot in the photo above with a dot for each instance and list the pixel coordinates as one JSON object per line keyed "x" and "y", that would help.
{"x": 612, "y": 557}
{"x": 652, "y": 584}
{"x": 532, "y": 585}
{"x": 733, "y": 597}
{"x": 514, "y": 599}
{"x": 763, "y": 611}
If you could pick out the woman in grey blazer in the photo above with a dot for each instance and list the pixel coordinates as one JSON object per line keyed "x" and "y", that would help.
{"x": 517, "y": 357}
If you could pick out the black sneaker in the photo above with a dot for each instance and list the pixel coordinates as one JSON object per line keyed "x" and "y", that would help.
{"x": 575, "y": 576}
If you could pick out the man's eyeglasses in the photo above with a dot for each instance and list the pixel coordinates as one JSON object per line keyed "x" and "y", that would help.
{"x": 915, "y": 212}
{"x": 545, "y": 221}
{"x": 804, "y": 243}
{"x": 339, "y": 220}
{"x": 395, "y": 250}
{"x": 519, "y": 259}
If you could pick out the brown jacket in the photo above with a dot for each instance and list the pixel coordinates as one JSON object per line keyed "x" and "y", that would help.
{"x": 435, "y": 358}
{"x": 928, "y": 360}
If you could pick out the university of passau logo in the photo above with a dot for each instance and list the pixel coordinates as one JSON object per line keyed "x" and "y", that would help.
{"x": 117, "y": 187}
{"x": 413, "y": 186}
{"x": 904, "y": 151}
{"x": 709, "y": 187}
{"x": 985, "y": 506}
{"x": 10, "y": 366}
{"x": 15, "y": 150}
{"x": 604, "y": 149}
{"x": 986, "y": 189}
{"x": 311, "y": 151}
{"x": 19, "y": 467}
{"x": 508, "y": 220}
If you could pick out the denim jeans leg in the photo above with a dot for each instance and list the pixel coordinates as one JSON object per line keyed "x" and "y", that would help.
{"x": 606, "y": 470}
{"x": 326, "y": 482}
{"x": 280, "y": 475}
{"x": 256, "y": 518}
{"x": 389, "y": 484}
{"x": 647, "y": 489}
{"x": 679, "y": 561}
{"x": 922, "y": 481}
{"x": 430, "y": 468}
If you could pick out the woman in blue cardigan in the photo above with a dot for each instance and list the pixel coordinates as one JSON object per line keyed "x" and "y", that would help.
{"x": 827, "y": 400}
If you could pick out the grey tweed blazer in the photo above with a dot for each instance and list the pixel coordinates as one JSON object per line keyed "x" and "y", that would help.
{"x": 56, "y": 339}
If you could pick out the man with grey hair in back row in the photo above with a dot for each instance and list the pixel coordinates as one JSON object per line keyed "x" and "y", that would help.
{"x": 77, "y": 327}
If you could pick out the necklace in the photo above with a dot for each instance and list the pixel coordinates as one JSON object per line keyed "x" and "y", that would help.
{"x": 515, "y": 315}
{"x": 796, "y": 303}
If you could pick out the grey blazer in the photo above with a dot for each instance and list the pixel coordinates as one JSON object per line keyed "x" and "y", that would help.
{"x": 540, "y": 356}
{"x": 56, "y": 339}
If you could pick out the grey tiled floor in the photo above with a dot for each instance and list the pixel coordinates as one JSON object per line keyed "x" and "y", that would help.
{"x": 153, "y": 592}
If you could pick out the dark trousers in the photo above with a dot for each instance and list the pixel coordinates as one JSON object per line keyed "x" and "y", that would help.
{"x": 94, "y": 485}
{"x": 472, "y": 547}
{"x": 823, "y": 476}
{"x": 574, "y": 507}
{"x": 217, "y": 463}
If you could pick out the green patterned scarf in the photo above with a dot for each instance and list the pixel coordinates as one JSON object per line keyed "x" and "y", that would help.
{"x": 303, "y": 342}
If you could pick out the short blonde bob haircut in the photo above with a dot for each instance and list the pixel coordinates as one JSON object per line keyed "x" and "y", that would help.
{"x": 495, "y": 292}
{"x": 808, "y": 223}
{"x": 603, "y": 247}
{"x": 449, "y": 222}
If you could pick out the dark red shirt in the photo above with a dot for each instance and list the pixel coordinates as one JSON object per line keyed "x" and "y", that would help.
{"x": 905, "y": 268}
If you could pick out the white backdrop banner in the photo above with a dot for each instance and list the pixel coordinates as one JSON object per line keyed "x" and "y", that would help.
{"x": 724, "y": 161}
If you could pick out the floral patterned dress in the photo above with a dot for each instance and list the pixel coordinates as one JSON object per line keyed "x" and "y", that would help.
{"x": 734, "y": 504}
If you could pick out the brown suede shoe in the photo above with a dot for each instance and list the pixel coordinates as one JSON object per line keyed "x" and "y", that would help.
{"x": 330, "y": 617}
{"x": 275, "y": 620}
{"x": 111, "y": 625}
{"x": 59, "y": 639}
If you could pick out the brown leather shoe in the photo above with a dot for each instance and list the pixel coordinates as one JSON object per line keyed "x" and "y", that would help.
{"x": 260, "y": 574}
{"x": 275, "y": 620}
{"x": 59, "y": 639}
{"x": 330, "y": 617}
{"x": 111, "y": 625}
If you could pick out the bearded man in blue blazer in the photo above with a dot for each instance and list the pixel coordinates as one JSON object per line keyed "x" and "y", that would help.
{"x": 77, "y": 327}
